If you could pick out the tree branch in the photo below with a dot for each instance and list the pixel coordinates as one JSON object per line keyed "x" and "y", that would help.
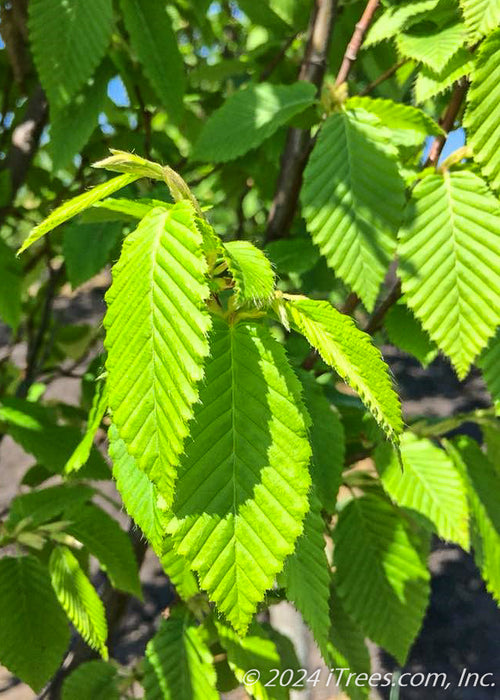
{"x": 448, "y": 121}
{"x": 383, "y": 77}
{"x": 376, "y": 319}
{"x": 298, "y": 143}
{"x": 25, "y": 139}
{"x": 354, "y": 45}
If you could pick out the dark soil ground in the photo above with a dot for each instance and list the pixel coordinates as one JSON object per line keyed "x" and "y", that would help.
{"x": 462, "y": 626}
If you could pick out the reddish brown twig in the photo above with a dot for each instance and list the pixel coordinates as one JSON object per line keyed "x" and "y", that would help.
{"x": 448, "y": 121}
{"x": 377, "y": 318}
{"x": 354, "y": 45}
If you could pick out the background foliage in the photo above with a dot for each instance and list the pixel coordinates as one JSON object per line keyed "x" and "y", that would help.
{"x": 235, "y": 392}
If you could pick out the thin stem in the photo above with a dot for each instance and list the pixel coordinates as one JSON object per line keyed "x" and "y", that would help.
{"x": 376, "y": 319}
{"x": 383, "y": 77}
{"x": 448, "y": 121}
{"x": 354, "y": 45}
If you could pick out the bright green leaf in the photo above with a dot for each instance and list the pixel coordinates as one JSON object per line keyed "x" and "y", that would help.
{"x": 96, "y": 414}
{"x": 249, "y": 117}
{"x": 79, "y": 599}
{"x": 252, "y": 273}
{"x": 434, "y": 49}
{"x": 483, "y": 110}
{"x": 408, "y": 124}
{"x": 156, "y": 328}
{"x": 76, "y": 205}
{"x": 427, "y": 483}
{"x": 429, "y": 84}
{"x": 352, "y": 355}
{"x": 396, "y": 18}
{"x": 481, "y": 16}
{"x": 141, "y": 501}
{"x": 352, "y": 216}
{"x": 450, "y": 263}
{"x": 242, "y": 490}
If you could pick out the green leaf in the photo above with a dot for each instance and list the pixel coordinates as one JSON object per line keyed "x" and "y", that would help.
{"x": 72, "y": 124}
{"x": 79, "y": 599}
{"x": 254, "y": 651}
{"x": 68, "y": 40}
{"x": 35, "y": 632}
{"x": 139, "y": 495}
{"x": 251, "y": 271}
{"x": 141, "y": 502}
{"x": 481, "y": 17}
{"x": 10, "y": 286}
{"x": 94, "y": 680}
{"x": 76, "y": 205}
{"x": 82, "y": 453}
{"x": 396, "y": 18}
{"x": 408, "y": 124}
{"x": 48, "y": 504}
{"x": 156, "y": 328}
{"x": 33, "y": 427}
{"x": 327, "y": 442}
{"x": 352, "y": 355}
{"x": 429, "y": 484}
{"x": 347, "y": 648}
{"x": 249, "y": 117}
{"x": 180, "y": 665}
{"x": 156, "y": 46}
{"x": 122, "y": 209}
{"x": 483, "y": 487}
{"x": 483, "y": 110}
{"x": 178, "y": 571}
{"x": 307, "y": 576}
{"x": 429, "y": 84}
{"x": 105, "y": 539}
{"x": 243, "y": 481}
{"x": 435, "y": 48}
{"x": 489, "y": 362}
{"x": 352, "y": 216}
{"x": 265, "y": 14}
{"x": 87, "y": 249}
{"x": 293, "y": 255}
{"x": 450, "y": 263}
{"x": 380, "y": 575}
{"x": 406, "y": 333}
